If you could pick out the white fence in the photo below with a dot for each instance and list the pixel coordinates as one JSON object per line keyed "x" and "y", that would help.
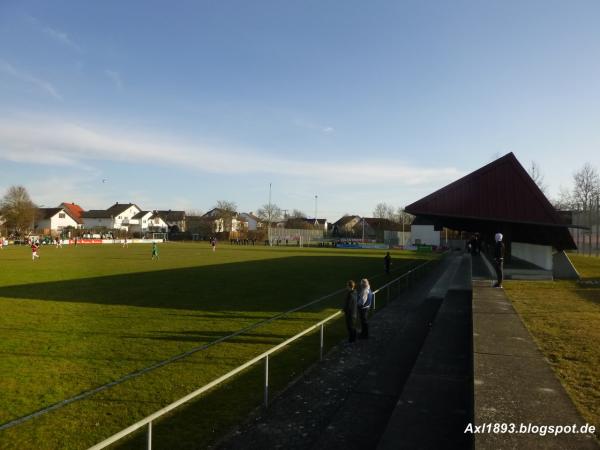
{"x": 386, "y": 291}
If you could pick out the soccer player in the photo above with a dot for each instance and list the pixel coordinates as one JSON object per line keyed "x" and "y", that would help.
{"x": 34, "y": 249}
{"x": 154, "y": 251}
{"x": 213, "y": 242}
{"x": 125, "y": 243}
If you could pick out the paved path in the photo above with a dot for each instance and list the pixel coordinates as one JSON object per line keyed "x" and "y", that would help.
{"x": 513, "y": 381}
{"x": 346, "y": 400}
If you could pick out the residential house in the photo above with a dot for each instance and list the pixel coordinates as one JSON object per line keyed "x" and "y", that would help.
{"x": 118, "y": 216}
{"x": 375, "y": 227}
{"x": 140, "y": 222}
{"x": 254, "y": 223}
{"x": 49, "y": 220}
{"x": 175, "y": 220}
{"x": 224, "y": 221}
{"x": 345, "y": 226}
{"x": 74, "y": 211}
{"x": 157, "y": 223}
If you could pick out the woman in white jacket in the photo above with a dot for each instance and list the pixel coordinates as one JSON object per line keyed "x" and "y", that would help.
{"x": 365, "y": 299}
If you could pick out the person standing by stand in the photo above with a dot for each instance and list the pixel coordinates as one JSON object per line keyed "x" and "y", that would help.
{"x": 350, "y": 307}
{"x": 499, "y": 259}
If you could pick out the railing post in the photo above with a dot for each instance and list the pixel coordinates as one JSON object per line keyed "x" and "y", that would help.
{"x": 321, "y": 343}
{"x": 374, "y": 297}
{"x": 266, "y": 381}
{"x": 149, "y": 435}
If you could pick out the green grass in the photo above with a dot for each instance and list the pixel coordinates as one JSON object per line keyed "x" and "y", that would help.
{"x": 83, "y": 316}
{"x": 564, "y": 319}
{"x": 587, "y": 266}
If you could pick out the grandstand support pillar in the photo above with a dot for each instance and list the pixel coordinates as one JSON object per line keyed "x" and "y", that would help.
{"x": 267, "y": 381}
{"x": 321, "y": 342}
{"x": 149, "y": 446}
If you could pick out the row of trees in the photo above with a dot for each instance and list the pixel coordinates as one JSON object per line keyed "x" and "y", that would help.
{"x": 397, "y": 215}
{"x": 583, "y": 195}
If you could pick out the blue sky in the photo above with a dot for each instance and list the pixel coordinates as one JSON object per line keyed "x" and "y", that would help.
{"x": 180, "y": 104}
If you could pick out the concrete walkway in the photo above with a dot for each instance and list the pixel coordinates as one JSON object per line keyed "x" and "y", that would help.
{"x": 514, "y": 383}
{"x": 346, "y": 400}
{"x": 437, "y": 400}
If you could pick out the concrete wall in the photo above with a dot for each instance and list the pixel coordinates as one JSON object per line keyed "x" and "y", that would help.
{"x": 425, "y": 234}
{"x": 540, "y": 255}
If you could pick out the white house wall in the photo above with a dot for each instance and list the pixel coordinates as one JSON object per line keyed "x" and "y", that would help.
{"x": 122, "y": 220}
{"x": 424, "y": 234}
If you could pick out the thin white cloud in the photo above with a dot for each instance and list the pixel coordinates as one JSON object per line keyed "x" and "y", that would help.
{"x": 326, "y": 129}
{"x": 25, "y": 77}
{"x": 115, "y": 77}
{"x": 55, "y": 34}
{"x": 61, "y": 37}
{"x": 67, "y": 143}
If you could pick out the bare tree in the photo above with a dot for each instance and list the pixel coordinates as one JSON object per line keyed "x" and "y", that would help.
{"x": 297, "y": 214}
{"x": 194, "y": 212}
{"x": 564, "y": 201}
{"x": 403, "y": 217}
{"x": 383, "y": 211}
{"x": 586, "y": 186}
{"x": 269, "y": 213}
{"x": 228, "y": 208}
{"x": 18, "y": 210}
{"x": 536, "y": 175}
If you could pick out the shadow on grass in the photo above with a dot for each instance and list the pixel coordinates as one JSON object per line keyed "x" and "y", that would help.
{"x": 204, "y": 421}
{"x": 252, "y": 286}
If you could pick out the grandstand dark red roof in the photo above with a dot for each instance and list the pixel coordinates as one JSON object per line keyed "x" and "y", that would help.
{"x": 502, "y": 196}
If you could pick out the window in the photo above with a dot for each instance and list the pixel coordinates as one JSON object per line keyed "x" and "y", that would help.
{"x": 61, "y": 215}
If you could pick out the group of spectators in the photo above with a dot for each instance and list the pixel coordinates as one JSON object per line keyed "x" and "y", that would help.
{"x": 357, "y": 304}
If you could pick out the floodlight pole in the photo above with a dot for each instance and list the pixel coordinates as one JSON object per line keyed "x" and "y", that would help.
{"x": 363, "y": 230}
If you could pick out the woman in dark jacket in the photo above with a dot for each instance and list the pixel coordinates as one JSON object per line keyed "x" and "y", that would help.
{"x": 350, "y": 310}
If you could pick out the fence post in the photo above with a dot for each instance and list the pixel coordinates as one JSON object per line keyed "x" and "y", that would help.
{"x": 321, "y": 342}
{"x": 149, "y": 435}
{"x": 266, "y": 381}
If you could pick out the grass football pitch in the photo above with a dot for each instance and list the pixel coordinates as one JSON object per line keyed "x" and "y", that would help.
{"x": 81, "y": 317}
{"x": 564, "y": 318}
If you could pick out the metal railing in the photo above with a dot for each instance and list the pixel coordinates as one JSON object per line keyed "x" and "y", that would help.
{"x": 396, "y": 284}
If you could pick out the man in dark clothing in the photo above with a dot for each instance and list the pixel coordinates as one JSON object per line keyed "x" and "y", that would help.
{"x": 499, "y": 259}
{"x": 387, "y": 262}
{"x": 350, "y": 310}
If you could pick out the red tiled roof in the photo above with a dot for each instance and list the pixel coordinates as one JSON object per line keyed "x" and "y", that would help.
{"x": 74, "y": 210}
